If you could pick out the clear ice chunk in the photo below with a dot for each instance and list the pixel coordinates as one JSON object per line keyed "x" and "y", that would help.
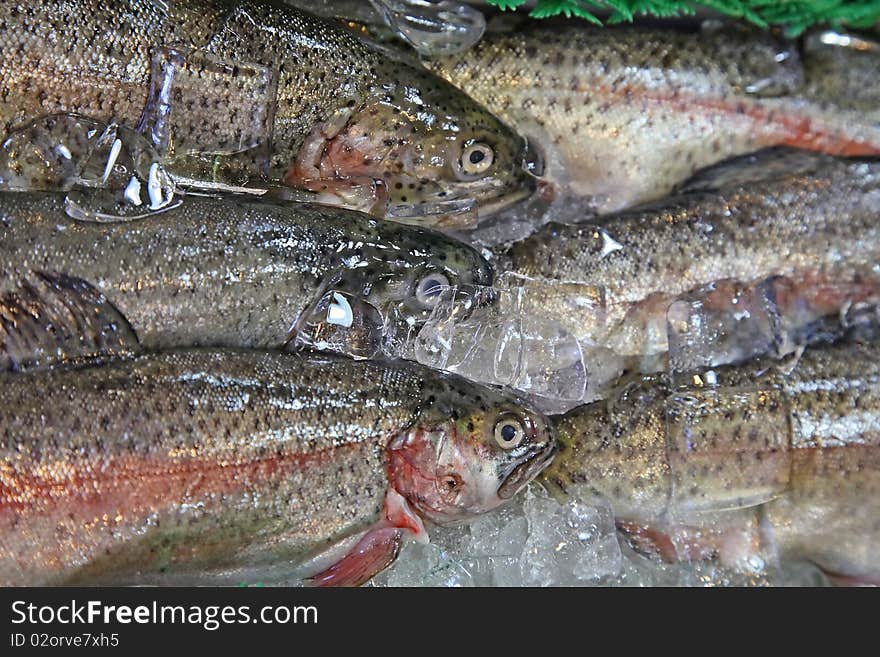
{"x": 464, "y": 211}
{"x": 724, "y": 322}
{"x": 228, "y": 154}
{"x": 500, "y": 336}
{"x": 496, "y": 543}
{"x": 426, "y": 565}
{"x": 433, "y": 27}
{"x": 342, "y": 323}
{"x": 574, "y": 543}
{"x": 533, "y": 541}
{"x": 111, "y": 173}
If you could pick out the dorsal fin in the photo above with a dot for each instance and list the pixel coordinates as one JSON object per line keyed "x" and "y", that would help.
{"x": 52, "y": 318}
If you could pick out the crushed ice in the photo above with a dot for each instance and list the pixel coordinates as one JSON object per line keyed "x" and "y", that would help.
{"x": 539, "y": 541}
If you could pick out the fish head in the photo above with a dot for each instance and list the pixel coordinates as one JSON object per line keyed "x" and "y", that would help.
{"x": 411, "y": 271}
{"x": 418, "y": 150}
{"x": 471, "y": 449}
{"x": 616, "y": 450}
{"x": 385, "y": 282}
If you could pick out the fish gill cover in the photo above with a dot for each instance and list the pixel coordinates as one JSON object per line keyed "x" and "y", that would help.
{"x": 795, "y": 15}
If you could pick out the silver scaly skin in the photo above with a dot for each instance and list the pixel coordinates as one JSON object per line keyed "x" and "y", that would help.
{"x": 225, "y": 271}
{"x": 792, "y": 461}
{"x": 625, "y": 113}
{"x": 199, "y": 466}
{"x": 255, "y": 93}
{"x": 784, "y": 232}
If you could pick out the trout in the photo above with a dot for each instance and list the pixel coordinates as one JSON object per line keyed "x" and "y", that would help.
{"x": 241, "y": 466}
{"x": 623, "y": 114}
{"x": 254, "y": 94}
{"x": 740, "y": 460}
{"x": 223, "y": 271}
{"x": 744, "y": 259}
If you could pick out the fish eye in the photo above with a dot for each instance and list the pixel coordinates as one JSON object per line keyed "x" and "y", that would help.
{"x": 430, "y": 288}
{"x": 509, "y": 432}
{"x": 476, "y": 158}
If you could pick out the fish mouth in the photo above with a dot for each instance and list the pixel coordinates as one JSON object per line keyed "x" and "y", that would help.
{"x": 491, "y": 207}
{"x": 525, "y": 471}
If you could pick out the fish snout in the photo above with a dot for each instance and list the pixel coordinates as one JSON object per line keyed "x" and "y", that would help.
{"x": 526, "y": 470}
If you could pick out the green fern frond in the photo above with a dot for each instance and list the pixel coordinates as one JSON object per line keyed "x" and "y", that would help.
{"x": 795, "y": 15}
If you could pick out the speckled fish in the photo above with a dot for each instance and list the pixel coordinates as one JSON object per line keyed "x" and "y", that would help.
{"x": 240, "y": 466}
{"x": 743, "y": 460}
{"x": 253, "y": 93}
{"x": 225, "y": 271}
{"x": 756, "y": 249}
{"x": 625, "y": 113}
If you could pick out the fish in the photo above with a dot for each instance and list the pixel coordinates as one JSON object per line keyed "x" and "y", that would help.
{"x": 241, "y": 466}
{"x": 744, "y": 259}
{"x": 257, "y": 96}
{"x": 740, "y": 461}
{"x": 622, "y": 114}
{"x": 222, "y": 271}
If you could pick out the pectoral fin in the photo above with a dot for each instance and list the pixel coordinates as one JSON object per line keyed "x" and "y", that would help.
{"x": 373, "y": 553}
{"x": 54, "y": 317}
{"x": 378, "y": 548}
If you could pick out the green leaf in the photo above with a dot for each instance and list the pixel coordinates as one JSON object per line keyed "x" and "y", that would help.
{"x": 794, "y": 15}
{"x": 505, "y": 5}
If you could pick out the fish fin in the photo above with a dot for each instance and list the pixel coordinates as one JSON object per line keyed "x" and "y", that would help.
{"x": 54, "y": 317}
{"x": 730, "y": 544}
{"x": 766, "y": 164}
{"x": 649, "y": 541}
{"x": 849, "y": 580}
{"x": 373, "y": 553}
{"x": 378, "y": 548}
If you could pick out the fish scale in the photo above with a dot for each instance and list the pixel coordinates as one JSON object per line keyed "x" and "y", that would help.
{"x": 232, "y": 466}
{"x": 802, "y": 448}
{"x": 625, "y": 113}
{"x": 222, "y": 271}
{"x": 255, "y": 95}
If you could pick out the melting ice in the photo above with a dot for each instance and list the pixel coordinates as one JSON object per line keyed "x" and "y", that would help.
{"x": 110, "y": 173}
{"x": 433, "y": 27}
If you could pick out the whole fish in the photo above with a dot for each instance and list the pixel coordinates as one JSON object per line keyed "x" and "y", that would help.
{"x": 625, "y": 113}
{"x": 252, "y": 94}
{"x": 742, "y": 460}
{"x": 757, "y": 249}
{"x": 241, "y": 466}
{"x": 224, "y": 271}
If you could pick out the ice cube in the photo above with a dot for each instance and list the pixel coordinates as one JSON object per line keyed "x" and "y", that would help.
{"x": 433, "y": 27}
{"x": 342, "y": 323}
{"x": 724, "y": 322}
{"x": 496, "y": 336}
{"x": 496, "y": 543}
{"x": 111, "y": 173}
{"x": 569, "y": 544}
{"x": 425, "y": 565}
